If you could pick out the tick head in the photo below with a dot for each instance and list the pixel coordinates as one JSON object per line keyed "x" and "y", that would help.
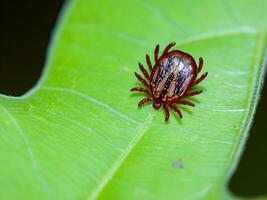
{"x": 156, "y": 104}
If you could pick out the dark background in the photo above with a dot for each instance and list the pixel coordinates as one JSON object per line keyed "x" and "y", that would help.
{"x": 25, "y": 32}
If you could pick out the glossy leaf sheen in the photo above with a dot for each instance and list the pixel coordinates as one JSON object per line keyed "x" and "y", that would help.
{"x": 79, "y": 133}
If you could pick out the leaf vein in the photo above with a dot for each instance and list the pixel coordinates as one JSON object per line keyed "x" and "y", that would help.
{"x": 118, "y": 163}
{"x": 29, "y": 150}
{"x": 94, "y": 101}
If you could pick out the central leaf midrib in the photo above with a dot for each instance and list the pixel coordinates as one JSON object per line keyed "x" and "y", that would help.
{"x": 118, "y": 162}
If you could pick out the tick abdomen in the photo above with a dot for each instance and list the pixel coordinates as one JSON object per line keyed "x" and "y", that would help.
{"x": 173, "y": 77}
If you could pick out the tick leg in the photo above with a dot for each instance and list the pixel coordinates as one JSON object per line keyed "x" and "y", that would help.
{"x": 190, "y": 94}
{"x": 141, "y": 79}
{"x": 148, "y": 63}
{"x": 145, "y": 100}
{"x": 200, "y": 79}
{"x": 175, "y": 109}
{"x": 200, "y": 64}
{"x": 168, "y": 47}
{"x": 144, "y": 71}
{"x": 186, "y": 103}
{"x": 167, "y": 113}
{"x": 156, "y": 53}
{"x": 139, "y": 89}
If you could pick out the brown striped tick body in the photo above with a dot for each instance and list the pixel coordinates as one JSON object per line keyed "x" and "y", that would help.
{"x": 170, "y": 80}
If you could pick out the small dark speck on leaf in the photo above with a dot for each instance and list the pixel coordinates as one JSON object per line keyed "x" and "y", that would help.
{"x": 177, "y": 164}
{"x": 236, "y": 127}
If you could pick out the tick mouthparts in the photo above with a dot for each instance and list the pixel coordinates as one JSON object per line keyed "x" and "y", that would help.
{"x": 156, "y": 105}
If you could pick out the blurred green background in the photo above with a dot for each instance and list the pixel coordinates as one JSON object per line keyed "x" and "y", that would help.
{"x": 26, "y": 27}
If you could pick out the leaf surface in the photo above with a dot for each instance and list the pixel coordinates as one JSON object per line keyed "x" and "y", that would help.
{"x": 79, "y": 134}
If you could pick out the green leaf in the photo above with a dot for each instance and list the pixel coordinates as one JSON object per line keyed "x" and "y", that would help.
{"x": 79, "y": 134}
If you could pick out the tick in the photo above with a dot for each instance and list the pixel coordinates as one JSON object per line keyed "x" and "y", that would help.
{"x": 170, "y": 80}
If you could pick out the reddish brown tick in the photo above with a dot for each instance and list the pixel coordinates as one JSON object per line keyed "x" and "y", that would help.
{"x": 170, "y": 80}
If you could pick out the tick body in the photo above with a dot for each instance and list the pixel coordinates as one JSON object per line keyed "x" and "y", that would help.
{"x": 169, "y": 81}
